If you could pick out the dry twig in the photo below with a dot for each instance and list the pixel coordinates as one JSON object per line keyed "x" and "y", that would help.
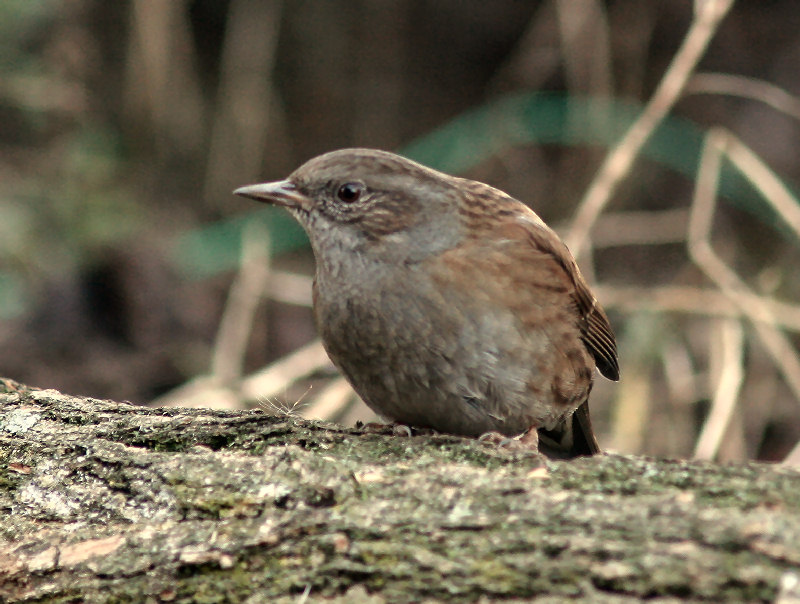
{"x": 620, "y": 159}
{"x": 243, "y": 298}
{"x": 726, "y": 391}
{"x": 696, "y": 301}
{"x": 747, "y": 88}
{"x": 719, "y": 142}
{"x": 247, "y": 110}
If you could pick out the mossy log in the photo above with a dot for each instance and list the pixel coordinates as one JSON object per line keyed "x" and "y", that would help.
{"x": 104, "y": 501}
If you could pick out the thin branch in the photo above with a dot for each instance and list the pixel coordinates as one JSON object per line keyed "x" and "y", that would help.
{"x": 243, "y": 298}
{"x": 585, "y": 46}
{"x": 776, "y": 343}
{"x": 247, "y": 111}
{"x": 620, "y": 159}
{"x": 747, "y": 88}
{"x": 290, "y": 288}
{"x": 695, "y": 300}
{"x": 793, "y": 459}
{"x": 763, "y": 179}
{"x": 640, "y": 228}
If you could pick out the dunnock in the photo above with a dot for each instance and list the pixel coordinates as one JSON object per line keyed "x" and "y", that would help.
{"x": 447, "y": 303}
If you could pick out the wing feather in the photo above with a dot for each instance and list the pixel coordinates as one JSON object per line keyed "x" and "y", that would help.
{"x": 594, "y": 325}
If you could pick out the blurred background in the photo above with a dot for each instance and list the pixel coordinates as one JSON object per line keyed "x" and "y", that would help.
{"x": 129, "y": 271}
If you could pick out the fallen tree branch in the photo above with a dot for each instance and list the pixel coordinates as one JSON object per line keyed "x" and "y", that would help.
{"x": 102, "y": 500}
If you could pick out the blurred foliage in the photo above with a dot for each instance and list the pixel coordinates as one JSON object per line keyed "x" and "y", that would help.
{"x": 18, "y": 18}
{"x": 76, "y": 202}
{"x": 204, "y": 252}
{"x": 124, "y": 126}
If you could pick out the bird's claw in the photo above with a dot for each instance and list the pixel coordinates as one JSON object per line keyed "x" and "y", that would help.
{"x": 528, "y": 440}
{"x": 391, "y": 428}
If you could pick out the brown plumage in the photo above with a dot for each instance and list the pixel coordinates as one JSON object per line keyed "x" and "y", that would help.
{"x": 445, "y": 302}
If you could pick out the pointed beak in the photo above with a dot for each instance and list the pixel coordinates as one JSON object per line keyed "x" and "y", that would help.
{"x": 280, "y": 193}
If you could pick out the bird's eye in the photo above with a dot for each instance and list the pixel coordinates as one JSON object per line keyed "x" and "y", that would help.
{"x": 350, "y": 192}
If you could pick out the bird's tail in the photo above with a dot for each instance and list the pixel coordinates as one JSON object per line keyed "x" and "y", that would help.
{"x": 574, "y": 438}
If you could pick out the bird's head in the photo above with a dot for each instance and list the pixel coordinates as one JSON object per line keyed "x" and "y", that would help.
{"x": 369, "y": 201}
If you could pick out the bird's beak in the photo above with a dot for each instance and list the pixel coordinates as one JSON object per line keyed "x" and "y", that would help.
{"x": 280, "y": 193}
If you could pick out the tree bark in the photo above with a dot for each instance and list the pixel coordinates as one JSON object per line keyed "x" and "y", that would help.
{"x": 104, "y": 501}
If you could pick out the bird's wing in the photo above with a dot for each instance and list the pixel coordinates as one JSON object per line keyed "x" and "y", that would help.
{"x": 504, "y": 218}
{"x": 528, "y": 238}
{"x": 576, "y": 436}
{"x": 594, "y": 325}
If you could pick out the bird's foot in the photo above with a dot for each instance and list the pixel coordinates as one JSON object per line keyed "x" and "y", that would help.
{"x": 395, "y": 429}
{"x": 528, "y": 440}
{"x": 495, "y": 438}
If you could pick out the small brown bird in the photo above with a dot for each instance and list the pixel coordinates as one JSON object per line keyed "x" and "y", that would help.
{"x": 446, "y": 303}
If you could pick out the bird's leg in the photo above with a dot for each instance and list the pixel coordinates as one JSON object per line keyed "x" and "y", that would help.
{"x": 401, "y": 430}
{"x": 389, "y": 428}
{"x": 494, "y": 438}
{"x": 530, "y": 439}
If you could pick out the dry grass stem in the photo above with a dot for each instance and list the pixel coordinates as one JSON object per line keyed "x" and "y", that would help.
{"x": 246, "y": 104}
{"x": 219, "y": 389}
{"x": 532, "y": 62}
{"x": 290, "y": 288}
{"x": 162, "y": 81}
{"x": 747, "y": 88}
{"x": 695, "y": 300}
{"x": 202, "y": 391}
{"x": 303, "y": 597}
{"x": 680, "y": 373}
{"x": 243, "y": 299}
{"x": 701, "y": 251}
{"x": 726, "y": 393}
{"x": 631, "y": 411}
{"x": 620, "y": 159}
{"x": 793, "y": 459}
{"x": 761, "y": 176}
{"x": 640, "y": 228}
{"x": 585, "y": 46}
